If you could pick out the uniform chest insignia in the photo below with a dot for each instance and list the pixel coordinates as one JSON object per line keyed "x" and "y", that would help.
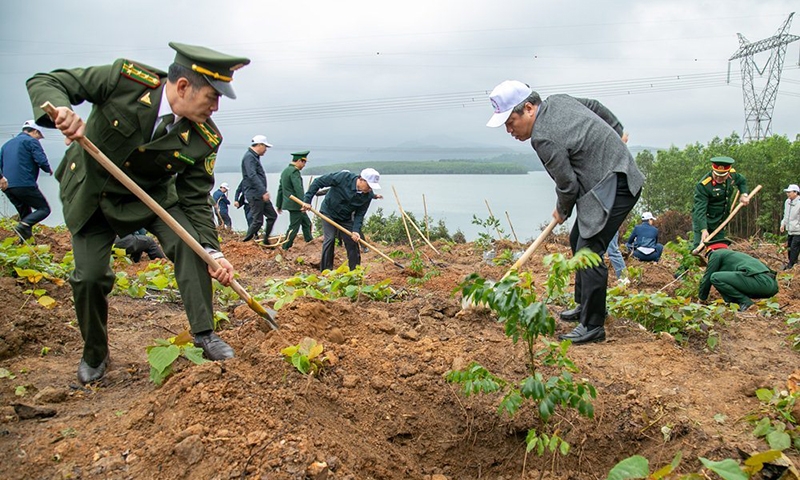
{"x": 184, "y": 137}
{"x": 139, "y": 75}
{"x": 211, "y": 160}
{"x": 145, "y": 99}
{"x": 208, "y": 134}
{"x": 183, "y": 158}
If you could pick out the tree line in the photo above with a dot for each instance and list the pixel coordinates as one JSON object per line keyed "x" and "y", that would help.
{"x": 672, "y": 174}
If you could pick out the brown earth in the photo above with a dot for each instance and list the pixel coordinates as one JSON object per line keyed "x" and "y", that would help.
{"x": 383, "y": 409}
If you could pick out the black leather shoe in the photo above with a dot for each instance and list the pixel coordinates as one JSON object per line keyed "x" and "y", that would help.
{"x": 214, "y": 347}
{"x": 88, "y": 374}
{"x": 743, "y": 307}
{"x": 581, "y": 334}
{"x": 24, "y": 231}
{"x": 571, "y": 315}
{"x": 247, "y": 238}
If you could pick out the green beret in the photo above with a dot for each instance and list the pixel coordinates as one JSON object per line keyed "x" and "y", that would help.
{"x": 215, "y": 66}
{"x": 722, "y": 160}
{"x": 300, "y": 155}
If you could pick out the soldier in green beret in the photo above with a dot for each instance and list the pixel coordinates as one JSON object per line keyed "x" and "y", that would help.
{"x": 738, "y": 277}
{"x": 292, "y": 184}
{"x": 713, "y": 196}
{"x": 156, "y": 126}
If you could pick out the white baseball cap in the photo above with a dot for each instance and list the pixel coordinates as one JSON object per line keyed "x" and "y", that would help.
{"x": 792, "y": 188}
{"x": 260, "y": 139}
{"x": 32, "y": 124}
{"x": 648, "y": 216}
{"x": 372, "y": 177}
{"x": 223, "y": 185}
{"x": 504, "y": 98}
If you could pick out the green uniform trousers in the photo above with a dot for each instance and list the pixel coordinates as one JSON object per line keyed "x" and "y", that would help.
{"x": 93, "y": 279}
{"x": 734, "y": 287}
{"x": 297, "y": 219}
{"x": 711, "y": 227}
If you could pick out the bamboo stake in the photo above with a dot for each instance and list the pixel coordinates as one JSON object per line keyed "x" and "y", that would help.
{"x": 116, "y": 172}
{"x": 724, "y": 223}
{"x": 425, "y": 212}
{"x": 413, "y": 224}
{"x": 347, "y": 232}
{"x": 497, "y": 229}
{"x": 512, "y": 228}
{"x": 403, "y": 216}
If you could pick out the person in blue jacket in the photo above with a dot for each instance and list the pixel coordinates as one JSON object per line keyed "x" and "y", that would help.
{"x": 221, "y": 204}
{"x": 643, "y": 241}
{"x": 21, "y": 158}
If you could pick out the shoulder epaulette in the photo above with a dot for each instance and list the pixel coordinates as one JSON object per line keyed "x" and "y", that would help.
{"x": 208, "y": 133}
{"x": 706, "y": 181}
{"x": 733, "y": 170}
{"x": 139, "y": 74}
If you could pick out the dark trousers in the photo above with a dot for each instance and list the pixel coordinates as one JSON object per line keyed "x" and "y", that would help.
{"x": 92, "y": 280}
{"x": 225, "y": 218}
{"x": 259, "y": 210}
{"x": 297, "y": 220}
{"x": 591, "y": 283}
{"x": 734, "y": 287}
{"x": 329, "y": 233}
{"x": 135, "y": 245}
{"x": 793, "y": 244}
{"x": 649, "y": 257}
{"x": 31, "y": 205}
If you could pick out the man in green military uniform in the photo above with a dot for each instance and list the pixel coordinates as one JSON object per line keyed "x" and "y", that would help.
{"x": 713, "y": 195}
{"x": 738, "y": 277}
{"x": 156, "y": 127}
{"x": 292, "y": 184}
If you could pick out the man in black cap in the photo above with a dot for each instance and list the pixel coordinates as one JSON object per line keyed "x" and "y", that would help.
{"x": 156, "y": 126}
{"x": 254, "y": 186}
{"x": 292, "y": 184}
{"x": 713, "y": 196}
{"x": 737, "y": 276}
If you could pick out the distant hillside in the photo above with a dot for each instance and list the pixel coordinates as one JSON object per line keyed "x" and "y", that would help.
{"x": 510, "y": 164}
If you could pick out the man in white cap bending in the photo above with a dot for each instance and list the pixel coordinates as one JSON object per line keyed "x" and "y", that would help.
{"x": 579, "y": 143}
{"x": 790, "y": 223}
{"x": 221, "y": 204}
{"x": 346, "y": 203}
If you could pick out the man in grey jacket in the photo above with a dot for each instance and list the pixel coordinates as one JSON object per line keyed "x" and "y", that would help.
{"x": 790, "y": 223}
{"x": 579, "y": 143}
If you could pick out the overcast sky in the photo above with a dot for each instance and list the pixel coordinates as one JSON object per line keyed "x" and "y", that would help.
{"x": 343, "y": 77}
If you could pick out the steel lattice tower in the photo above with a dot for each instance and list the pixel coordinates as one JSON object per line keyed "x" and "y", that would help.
{"x": 758, "y": 105}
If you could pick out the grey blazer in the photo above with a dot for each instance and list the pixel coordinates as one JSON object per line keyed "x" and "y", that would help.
{"x": 579, "y": 143}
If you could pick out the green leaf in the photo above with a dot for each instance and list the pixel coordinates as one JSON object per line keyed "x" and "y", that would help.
{"x": 779, "y": 440}
{"x": 764, "y": 394}
{"x": 632, "y": 467}
{"x": 194, "y": 355}
{"x": 727, "y": 469}
{"x": 162, "y": 357}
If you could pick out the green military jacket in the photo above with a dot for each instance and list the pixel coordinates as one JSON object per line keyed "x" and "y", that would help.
{"x": 291, "y": 184}
{"x": 712, "y": 202}
{"x": 724, "y": 260}
{"x": 177, "y": 168}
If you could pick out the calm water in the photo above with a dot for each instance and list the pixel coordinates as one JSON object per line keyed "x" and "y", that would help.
{"x": 528, "y": 199}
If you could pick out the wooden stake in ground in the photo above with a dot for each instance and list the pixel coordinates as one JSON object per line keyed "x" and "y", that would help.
{"x": 425, "y": 212}
{"x": 413, "y": 224}
{"x": 402, "y": 215}
{"x": 347, "y": 232}
{"x": 722, "y": 225}
{"x": 265, "y": 313}
{"x": 499, "y": 235}
{"x": 512, "y": 228}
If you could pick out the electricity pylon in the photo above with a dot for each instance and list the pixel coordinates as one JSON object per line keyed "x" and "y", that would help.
{"x": 758, "y": 105}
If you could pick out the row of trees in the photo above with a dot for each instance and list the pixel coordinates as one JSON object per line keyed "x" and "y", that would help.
{"x": 772, "y": 163}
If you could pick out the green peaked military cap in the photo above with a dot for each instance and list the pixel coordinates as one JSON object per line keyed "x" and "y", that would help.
{"x": 722, "y": 160}
{"x": 216, "y": 67}
{"x": 300, "y": 155}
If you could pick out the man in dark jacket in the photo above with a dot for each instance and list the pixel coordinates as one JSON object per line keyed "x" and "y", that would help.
{"x": 643, "y": 241}
{"x": 292, "y": 184}
{"x": 240, "y": 201}
{"x": 156, "y": 126}
{"x": 579, "y": 142}
{"x": 254, "y": 185}
{"x": 21, "y": 158}
{"x": 738, "y": 277}
{"x": 346, "y": 203}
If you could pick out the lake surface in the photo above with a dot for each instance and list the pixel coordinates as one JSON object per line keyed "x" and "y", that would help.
{"x": 528, "y": 199}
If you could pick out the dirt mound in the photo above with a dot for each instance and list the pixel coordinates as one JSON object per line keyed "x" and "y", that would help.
{"x": 382, "y": 409}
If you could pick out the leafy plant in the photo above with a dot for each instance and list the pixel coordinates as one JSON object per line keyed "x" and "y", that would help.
{"x": 505, "y": 257}
{"x": 491, "y": 226}
{"x": 306, "y": 356}
{"x": 514, "y": 302}
{"x": 560, "y": 270}
{"x": 163, "y": 354}
{"x": 688, "y": 267}
{"x": 219, "y": 319}
{"x": 777, "y": 407}
{"x": 793, "y": 322}
{"x": 41, "y": 297}
{"x": 33, "y": 262}
{"x": 636, "y": 467}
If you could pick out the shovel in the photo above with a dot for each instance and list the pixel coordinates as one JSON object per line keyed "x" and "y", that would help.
{"x": 266, "y": 313}
{"x": 347, "y": 232}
